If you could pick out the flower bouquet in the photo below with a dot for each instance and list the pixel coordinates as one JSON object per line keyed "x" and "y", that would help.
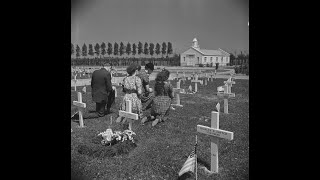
{"x": 110, "y": 138}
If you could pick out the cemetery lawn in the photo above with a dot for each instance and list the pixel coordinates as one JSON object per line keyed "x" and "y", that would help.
{"x": 162, "y": 150}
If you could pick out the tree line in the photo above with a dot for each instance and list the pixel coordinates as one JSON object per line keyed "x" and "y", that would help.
{"x": 116, "y": 50}
{"x": 241, "y": 63}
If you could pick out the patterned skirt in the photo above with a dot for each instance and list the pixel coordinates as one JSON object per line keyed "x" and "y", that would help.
{"x": 161, "y": 106}
{"x": 135, "y": 102}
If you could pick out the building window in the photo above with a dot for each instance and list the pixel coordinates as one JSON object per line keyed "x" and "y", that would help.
{"x": 211, "y": 59}
{"x": 190, "y": 55}
{"x": 205, "y": 59}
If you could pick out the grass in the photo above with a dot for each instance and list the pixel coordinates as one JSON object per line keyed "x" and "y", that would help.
{"x": 162, "y": 150}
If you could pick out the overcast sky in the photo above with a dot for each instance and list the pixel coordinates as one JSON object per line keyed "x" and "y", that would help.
{"x": 215, "y": 23}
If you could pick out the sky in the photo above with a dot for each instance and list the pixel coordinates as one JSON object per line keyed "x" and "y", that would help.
{"x": 215, "y": 23}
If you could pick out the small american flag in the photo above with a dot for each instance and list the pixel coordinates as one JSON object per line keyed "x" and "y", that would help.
{"x": 190, "y": 163}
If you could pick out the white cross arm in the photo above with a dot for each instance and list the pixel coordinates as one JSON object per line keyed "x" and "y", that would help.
{"x": 215, "y": 132}
{"x": 229, "y": 82}
{"x": 79, "y": 104}
{"x": 226, "y": 94}
{"x": 128, "y": 115}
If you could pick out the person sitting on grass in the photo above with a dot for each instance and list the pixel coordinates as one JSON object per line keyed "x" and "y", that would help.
{"x": 132, "y": 87}
{"x": 163, "y": 95}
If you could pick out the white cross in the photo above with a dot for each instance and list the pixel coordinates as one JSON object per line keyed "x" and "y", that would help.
{"x": 80, "y": 105}
{"x": 75, "y": 82}
{"x": 216, "y": 133}
{"x": 128, "y": 115}
{"x": 225, "y": 95}
{"x": 229, "y": 83}
{"x": 212, "y": 75}
{"x": 178, "y": 91}
{"x": 196, "y": 81}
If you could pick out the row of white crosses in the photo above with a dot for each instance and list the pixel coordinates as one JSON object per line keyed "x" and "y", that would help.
{"x": 216, "y": 133}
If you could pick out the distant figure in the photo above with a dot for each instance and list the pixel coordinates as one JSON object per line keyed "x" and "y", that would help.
{"x": 163, "y": 92}
{"x": 101, "y": 91}
{"x": 132, "y": 87}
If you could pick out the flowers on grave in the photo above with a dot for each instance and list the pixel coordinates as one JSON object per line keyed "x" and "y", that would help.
{"x": 116, "y": 136}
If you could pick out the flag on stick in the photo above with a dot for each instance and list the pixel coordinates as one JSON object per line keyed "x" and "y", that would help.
{"x": 190, "y": 163}
{"x": 84, "y": 89}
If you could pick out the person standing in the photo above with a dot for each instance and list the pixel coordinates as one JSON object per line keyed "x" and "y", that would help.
{"x": 102, "y": 91}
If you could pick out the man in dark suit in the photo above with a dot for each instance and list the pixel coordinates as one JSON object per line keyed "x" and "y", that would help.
{"x": 102, "y": 91}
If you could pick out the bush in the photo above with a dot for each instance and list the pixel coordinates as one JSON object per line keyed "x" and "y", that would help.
{"x": 200, "y": 65}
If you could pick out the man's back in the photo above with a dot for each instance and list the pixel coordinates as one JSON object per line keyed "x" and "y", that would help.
{"x": 100, "y": 84}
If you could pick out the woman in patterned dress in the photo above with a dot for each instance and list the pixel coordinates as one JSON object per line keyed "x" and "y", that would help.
{"x": 163, "y": 92}
{"x": 132, "y": 87}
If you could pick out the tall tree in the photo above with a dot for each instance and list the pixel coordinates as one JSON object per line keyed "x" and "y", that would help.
{"x": 164, "y": 48}
{"x": 97, "y": 49}
{"x": 146, "y": 50}
{"x": 84, "y": 50}
{"x": 134, "y": 49}
{"x": 169, "y": 51}
{"x": 139, "y": 48}
{"x": 103, "y": 49}
{"x": 109, "y": 51}
{"x": 115, "y": 49}
{"x": 91, "y": 53}
{"x": 232, "y": 58}
{"x": 72, "y": 49}
{"x": 78, "y": 51}
{"x": 151, "y": 49}
{"x": 157, "y": 49}
{"x": 128, "y": 49}
{"x": 121, "y": 49}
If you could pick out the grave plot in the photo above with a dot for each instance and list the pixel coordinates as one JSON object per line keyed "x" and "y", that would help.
{"x": 161, "y": 151}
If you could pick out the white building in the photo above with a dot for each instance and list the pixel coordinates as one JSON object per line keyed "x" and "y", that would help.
{"x": 195, "y": 56}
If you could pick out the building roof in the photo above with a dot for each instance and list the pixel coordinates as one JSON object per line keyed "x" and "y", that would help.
{"x": 207, "y": 52}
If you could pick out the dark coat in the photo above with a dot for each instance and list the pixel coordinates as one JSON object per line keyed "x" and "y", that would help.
{"x": 101, "y": 85}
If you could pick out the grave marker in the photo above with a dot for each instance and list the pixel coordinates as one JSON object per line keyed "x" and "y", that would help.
{"x": 229, "y": 83}
{"x": 196, "y": 81}
{"x": 211, "y": 75}
{"x": 75, "y": 82}
{"x": 178, "y": 91}
{"x": 216, "y": 133}
{"x": 80, "y": 105}
{"x": 128, "y": 115}
{"x": 225, "y": 95}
